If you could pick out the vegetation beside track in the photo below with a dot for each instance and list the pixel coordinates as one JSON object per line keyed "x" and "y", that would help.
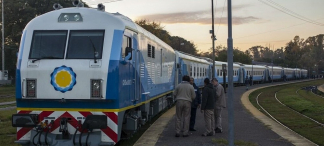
{"x": 7, "y": 132}
{"x": 304, "y": 102}
{"x": 7, "y": 93}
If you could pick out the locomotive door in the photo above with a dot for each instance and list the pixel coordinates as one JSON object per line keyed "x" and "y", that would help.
{"x": 129, "y": 75}
{"x": 136, "y": 73}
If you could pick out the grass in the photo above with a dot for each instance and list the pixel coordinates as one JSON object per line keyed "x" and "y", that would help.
{"x": 308, "y": 104}
{"x": 7, "y": 90}
{"x": 224, "y": 142}
{"x": 7, "y": 132}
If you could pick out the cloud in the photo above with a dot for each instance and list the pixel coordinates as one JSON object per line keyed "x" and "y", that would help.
{"x": 192, "y": 17}
{"x": 200, "y": 17}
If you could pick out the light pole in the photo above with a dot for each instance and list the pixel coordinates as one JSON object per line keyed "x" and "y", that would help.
{"x": 230, "y": 75}
{"x": 3, "y": 63}
{"x": 213, "y": 39}
{"x": 315, "y": 71}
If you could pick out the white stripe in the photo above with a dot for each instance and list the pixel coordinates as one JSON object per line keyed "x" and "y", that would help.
{"x": 112, "y": 125}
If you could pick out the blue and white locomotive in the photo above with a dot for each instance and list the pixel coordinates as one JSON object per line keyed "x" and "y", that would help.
{"x": 85, "y": 76}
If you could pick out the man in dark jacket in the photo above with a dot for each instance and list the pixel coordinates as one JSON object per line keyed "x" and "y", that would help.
{"x": 207, "y": 107}
{"x": 194, "y": 105}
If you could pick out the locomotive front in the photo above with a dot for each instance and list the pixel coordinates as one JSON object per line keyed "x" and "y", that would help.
{"x": 63, "y": 67}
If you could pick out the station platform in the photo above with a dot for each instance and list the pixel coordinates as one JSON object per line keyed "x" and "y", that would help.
{"x": 250, "y": 126}
{"x": 321, "y": 88}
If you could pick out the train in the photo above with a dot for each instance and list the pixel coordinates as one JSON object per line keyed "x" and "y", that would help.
{"x": 88, "y": 77}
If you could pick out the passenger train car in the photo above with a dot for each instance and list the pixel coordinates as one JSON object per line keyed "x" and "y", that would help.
{"x": 85, "y": 76}
{"x": 220, "y": 74}
{"x": 275, "y": 73}
{"x": 192, "y": 66}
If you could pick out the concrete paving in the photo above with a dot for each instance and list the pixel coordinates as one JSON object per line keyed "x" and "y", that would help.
{"x": 247, "y": 128}
{"x": 321, "y": 88}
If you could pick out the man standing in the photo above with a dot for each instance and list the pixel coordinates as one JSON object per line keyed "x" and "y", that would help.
{"x": 207, "y": 107}
{"x": 194, "y": 105}
{"x": 184, "y": 94}
{"x": 219, "y": 105}
{"x": 247, "y": 83}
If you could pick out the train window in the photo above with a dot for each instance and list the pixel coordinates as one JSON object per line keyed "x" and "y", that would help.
{"x": 194, "y": 71}
{"x": 190, "y": 69}
{"x": 203, "y": 72}
{"x": 218, "y": 72}
{"x": 85, "y": 44}
{"x": 199, "y": 72}
{"x": 127, "y": 43}
{"x": 153, "y": 52}
{"x": 48, "y": 44}
{"x": 149, "y": 50}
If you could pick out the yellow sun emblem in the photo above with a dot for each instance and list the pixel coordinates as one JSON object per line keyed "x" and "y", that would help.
{"x": 63, "y": 78}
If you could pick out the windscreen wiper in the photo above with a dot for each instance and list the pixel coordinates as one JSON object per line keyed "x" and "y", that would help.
{"x": 94, "y": 50}
{"x": 45, "y": 57}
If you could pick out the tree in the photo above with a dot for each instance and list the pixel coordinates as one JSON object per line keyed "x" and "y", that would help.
{"x": 176, "y": 42}
{"x": 255, "y": 52}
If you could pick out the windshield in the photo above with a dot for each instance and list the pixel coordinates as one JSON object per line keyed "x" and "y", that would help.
{"x": 48, "y": 44}
{"x": 85, "y": 44}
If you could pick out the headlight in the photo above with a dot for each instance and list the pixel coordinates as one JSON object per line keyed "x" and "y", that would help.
{"x": 96, "y": 91}
{"x": 31, "y": 88}
{"x": 76, "y": 17}
{"x": 66, "y": 18}
{"x": 70, "y": 17}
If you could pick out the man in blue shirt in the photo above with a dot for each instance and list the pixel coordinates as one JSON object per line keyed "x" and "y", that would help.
{"x": 194, "y": 105}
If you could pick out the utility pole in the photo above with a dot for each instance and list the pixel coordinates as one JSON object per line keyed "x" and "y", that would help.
{"x": 3, "y": 60}
{"x": 230, "y": 75}
{"x": 213, "y": 39}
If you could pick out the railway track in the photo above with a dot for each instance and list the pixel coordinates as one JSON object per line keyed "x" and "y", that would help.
{"x": 8, "y": 105}
{"x": 257, "y": 100}
{"x": 297, "y": 111}
{"x": 7, "y": 96}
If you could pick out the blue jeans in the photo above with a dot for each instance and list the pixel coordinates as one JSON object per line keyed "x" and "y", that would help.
{"x": 193, "y": 118}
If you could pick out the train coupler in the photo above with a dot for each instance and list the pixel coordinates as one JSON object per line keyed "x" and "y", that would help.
{"x": 64, "y": 128}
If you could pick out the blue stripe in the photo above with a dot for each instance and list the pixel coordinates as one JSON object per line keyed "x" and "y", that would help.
{"x": 112, "y": 86}
{"x": 116, "y": 45}
{"x": 48, "y": 103}
{"x": 18, "y": 75}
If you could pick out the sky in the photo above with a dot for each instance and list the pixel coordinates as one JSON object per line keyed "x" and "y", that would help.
{"x": 255, "y": 22}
